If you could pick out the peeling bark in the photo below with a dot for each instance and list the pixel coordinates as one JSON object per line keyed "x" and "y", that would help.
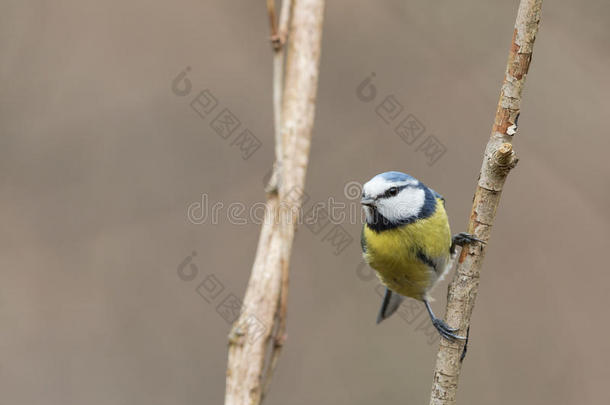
{"x": 498, "y": 160}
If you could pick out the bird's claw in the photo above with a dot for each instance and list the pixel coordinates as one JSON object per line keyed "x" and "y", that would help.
{"x": 446, "y": 331}
{"x": 464, "y": 238}
{"x": 463, "y": 355}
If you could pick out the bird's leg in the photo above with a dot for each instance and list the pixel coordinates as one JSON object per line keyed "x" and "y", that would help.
{"x": 461, "y": 239}
{"x": 445, "y": 330}
{"x": 465, "y": 345}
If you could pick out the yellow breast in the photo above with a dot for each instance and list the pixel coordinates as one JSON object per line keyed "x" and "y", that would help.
{"x": 396, "y": 253}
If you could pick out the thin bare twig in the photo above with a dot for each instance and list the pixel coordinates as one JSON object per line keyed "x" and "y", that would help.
{"x": 252, "y": 332}
{"x": 272, "y": 18}
{"x": 278, "y": 40}
{"x": 498, "y": 160}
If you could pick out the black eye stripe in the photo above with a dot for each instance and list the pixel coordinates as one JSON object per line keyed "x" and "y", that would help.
{"x": 389, "y": 192}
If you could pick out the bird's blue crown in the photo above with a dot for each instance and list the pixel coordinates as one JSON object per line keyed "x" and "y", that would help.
{"x": 396, "y": 176}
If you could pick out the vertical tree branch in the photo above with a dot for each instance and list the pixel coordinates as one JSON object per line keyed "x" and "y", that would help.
{"x": 498, "y": 160}
{"x": 250, "y": 337}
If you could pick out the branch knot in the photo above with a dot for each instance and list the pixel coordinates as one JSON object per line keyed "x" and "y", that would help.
{"x": 505, "y": 157}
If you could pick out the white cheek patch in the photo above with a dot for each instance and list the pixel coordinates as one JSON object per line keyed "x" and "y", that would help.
{"x": 408, "y": 203}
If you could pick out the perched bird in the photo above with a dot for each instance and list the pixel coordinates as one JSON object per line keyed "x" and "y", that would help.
{"x": 406, "y": 238}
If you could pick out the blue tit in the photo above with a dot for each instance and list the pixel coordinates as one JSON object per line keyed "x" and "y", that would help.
{"x": 407, "y": 240}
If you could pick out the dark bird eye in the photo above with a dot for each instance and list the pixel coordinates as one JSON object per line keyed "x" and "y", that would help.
{"x": 392, "y": 191}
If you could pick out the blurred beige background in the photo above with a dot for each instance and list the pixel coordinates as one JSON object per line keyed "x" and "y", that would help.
{"x": 99, "y": 161}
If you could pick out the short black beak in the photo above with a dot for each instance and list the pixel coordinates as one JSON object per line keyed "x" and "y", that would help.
{"x": 369, "y": 202}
